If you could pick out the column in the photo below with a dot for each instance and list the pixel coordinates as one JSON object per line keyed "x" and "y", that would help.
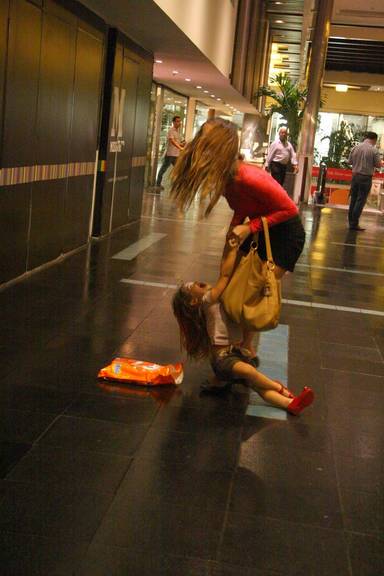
{"x": 315, "y": 78}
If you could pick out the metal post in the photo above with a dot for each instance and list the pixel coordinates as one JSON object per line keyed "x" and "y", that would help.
{"x": 315, "y": 78}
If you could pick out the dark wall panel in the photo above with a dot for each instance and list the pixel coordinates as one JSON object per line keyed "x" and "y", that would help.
{"x": 111, "y": 156}
{"x": 4, "y": 9}
{"x": 22, "y": 84}
{"x": 45, "y": 241}
{"x": 53, "y": 132}
{"x": 55, "y": 90}
{"x": 78, "y": 202}
{"x": 124, "y": 160}
{"x": 84, "y": 132}
{"x": 86, "y": 97}
{"x": 14, "y": 211}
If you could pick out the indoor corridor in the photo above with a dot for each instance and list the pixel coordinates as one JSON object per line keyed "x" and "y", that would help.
{"x": 103, "y": 479}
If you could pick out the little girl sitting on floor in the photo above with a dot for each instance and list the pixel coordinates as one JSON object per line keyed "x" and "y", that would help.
{"x": 207, "y": 331}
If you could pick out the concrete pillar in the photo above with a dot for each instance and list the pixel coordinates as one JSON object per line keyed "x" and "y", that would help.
{"x": 315, "y": 78}
{"x": 190, "y": 119}
{"x": 211, "y": 114}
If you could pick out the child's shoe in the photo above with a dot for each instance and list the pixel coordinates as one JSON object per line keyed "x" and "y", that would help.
{"x": 304, "y": 399}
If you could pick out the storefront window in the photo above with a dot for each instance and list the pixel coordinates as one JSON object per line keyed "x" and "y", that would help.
{"x": 174, "y": 105}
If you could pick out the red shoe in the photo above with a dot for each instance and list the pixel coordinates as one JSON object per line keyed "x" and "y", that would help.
{"x": 304, "y": 399}
{"x": 284, "y": 389}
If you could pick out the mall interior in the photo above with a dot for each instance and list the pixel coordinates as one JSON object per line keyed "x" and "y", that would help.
{"x": 107, "y": 478}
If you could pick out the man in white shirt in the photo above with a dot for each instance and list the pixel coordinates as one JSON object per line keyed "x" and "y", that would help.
{"x": 364, "y": 158}
{"x": 174, "y": 146}
{"x": 280, "y": 153}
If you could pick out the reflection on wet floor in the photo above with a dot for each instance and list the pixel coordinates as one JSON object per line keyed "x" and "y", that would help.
{"x": 105, "y": 479}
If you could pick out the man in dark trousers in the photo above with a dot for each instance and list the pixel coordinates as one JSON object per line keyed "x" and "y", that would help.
{"x": 364, "y": 158}
{"x": 174, "y": 146}
{"x": 280, "y": 154}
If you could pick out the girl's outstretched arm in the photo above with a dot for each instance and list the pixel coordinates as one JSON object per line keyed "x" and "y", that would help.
{"x": 226, "y": 268}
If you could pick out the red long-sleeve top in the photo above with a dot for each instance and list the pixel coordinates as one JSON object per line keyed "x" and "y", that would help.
{"x": 254, "y": 193}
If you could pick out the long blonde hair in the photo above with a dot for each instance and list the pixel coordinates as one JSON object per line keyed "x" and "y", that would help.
{"x": 206, "y": 164}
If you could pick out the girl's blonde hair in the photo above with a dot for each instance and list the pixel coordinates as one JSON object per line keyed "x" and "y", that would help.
{"x": 206, "y": 164}
{"x": 192, "y": 324}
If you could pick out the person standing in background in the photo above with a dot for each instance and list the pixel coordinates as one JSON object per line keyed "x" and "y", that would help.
{"x": 174, "y": 145}
{"x": 280, "y": 153}
{"x": 364, "y": 158}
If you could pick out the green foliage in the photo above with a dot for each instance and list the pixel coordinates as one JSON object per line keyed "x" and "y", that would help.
{"x": 341, "y": 142}
{"x": 289, "y": 100}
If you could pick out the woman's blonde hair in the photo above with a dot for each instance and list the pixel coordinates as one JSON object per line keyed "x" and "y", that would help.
{"x": 206, "y": 164}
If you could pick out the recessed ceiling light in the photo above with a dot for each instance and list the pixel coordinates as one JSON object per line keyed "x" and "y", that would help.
{"x": 279, "y": 21}
{"x": 341, "y": 88}
{"x": 158, "y": 61}
{"x": 278, "y": 2}
{"x": 187, "y": 79}
{"x": 206, "y": 91}
{"x": 218, "y": 98}
{"x": 213, "y": 96}
{"x": 175, "y": 71}
{"x": 199, "y": 87}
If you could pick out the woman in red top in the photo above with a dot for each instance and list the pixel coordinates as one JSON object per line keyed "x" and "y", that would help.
{"x": 209, "y": 165}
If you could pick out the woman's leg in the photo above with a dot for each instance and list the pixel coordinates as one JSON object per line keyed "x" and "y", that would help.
{"x": 268, "y": 389}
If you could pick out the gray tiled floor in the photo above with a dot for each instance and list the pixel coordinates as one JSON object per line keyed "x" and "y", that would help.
{"x": 108, "y": 480}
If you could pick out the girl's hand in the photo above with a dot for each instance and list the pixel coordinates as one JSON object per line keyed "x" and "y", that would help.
{"x": 240, "y": 233}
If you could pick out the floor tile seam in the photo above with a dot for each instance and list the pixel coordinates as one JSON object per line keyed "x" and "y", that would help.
{"x": 229, "y": 497}
{"x": 293, "y": 524}
{"x": 341, "y": 505}
{"x": 106, "y": 512}
{"x": 378, "y": 536}
{"x": 55, "y": 487}
{"x": 378, "y": 348}
{"x": 101, "y": 420}
{"x": 322, "y": 367}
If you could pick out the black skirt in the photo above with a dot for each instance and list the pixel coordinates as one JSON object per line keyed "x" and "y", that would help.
{"x": 287, "y": 243}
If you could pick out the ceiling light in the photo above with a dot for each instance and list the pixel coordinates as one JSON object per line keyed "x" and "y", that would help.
{"x": 213, "y": 96}
{"x": 341, "y": 88}
{"x": 187, "y": 79}
{"x": 279, "y": 21}
{"x": 175, "y": 71}
{"x": 206, "y": 91}
{"x": 158, "y": 61}
{"x": 199, "y": 87}
{"x": 218, "y": 98}
{"x": 278, "y": 2}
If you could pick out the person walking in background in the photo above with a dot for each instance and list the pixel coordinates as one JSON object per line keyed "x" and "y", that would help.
{"x": 364, "y": 158}
{"x": 174, "y": 145}
{"x": 280, "y": 153}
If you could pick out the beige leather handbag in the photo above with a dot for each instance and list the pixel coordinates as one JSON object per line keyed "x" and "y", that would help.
{"x": 253, "y": 295}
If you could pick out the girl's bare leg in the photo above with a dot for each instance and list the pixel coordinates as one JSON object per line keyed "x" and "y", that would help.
{"x": 267, "y": 388}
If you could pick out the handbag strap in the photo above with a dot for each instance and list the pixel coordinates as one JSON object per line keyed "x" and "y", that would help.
{"x": 267, "y": 240}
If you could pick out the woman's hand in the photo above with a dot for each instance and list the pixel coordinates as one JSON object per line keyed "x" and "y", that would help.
{"x": 240, "y": 233}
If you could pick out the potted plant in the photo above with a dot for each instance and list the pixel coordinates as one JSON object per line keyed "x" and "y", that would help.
{"x": 289, "y": 101}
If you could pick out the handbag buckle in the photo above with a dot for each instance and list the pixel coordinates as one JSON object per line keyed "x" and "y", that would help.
{"x": 271, "y": 265}
{"x": 254, "y": 245}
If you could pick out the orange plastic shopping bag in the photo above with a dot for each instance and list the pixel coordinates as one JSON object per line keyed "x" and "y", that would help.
{"x": 140, "y": 372}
